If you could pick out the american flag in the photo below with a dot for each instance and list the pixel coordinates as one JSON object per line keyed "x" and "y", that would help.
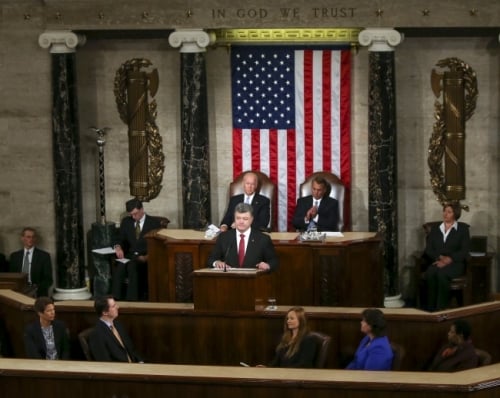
{"x": 291, "y": 117}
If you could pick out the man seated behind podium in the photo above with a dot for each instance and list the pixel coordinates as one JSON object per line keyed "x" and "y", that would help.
{"x": 244, "y": 246}
{"x": 261, "y": 205}
{"x": 33, "y": 261}
{"x": 133, "y": 246}
{"x": 317, "y": 211}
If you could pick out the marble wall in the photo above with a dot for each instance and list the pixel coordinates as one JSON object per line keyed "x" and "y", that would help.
{"x": 26, "y": 180}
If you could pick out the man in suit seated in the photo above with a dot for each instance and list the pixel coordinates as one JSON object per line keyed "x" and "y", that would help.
{"x": 133, "y": 246}
{"x": 260, "y": 204}
{"x": 317, "y": 211}
{"x": 109, "y": 341}
{"x": 245, "y": 246}
{"x": 33, "y": 261}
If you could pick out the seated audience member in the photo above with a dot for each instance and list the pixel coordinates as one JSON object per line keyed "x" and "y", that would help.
{"x": 458, "y": 353}
{"x": 297, "y": 349}
{"x": 374, "y": 351}
{"x": 109, "y": 341}
{"x": 33, "y": 261}
{"x": 260, "y": 204}
{"x": 133, "y": 246}
{"x": 244, "y": 246}
{"x": 317, "y": 211}
{"x": 446, "y": 250}
{"x": 4, "y": 264}
{"x": 47, "y": 337}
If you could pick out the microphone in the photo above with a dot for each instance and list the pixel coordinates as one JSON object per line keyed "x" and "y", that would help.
{"x": 226, "y": 253}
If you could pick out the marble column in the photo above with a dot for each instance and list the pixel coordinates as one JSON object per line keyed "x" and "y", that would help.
{"x": 70, "y": 259}
{"x": 194, "y": 126}
{"x": 382, "y": 152}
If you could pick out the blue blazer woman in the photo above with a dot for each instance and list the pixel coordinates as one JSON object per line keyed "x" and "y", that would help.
{"x": 373, "y": 354}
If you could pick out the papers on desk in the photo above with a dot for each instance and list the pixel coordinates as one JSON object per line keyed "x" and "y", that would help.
{"x": 212, "y": 231}
{"x": 334, "y": 234}
{"x": 247, "y": 270}
{"x": 104, "y": 250}
{"x": 123, "y": 260}
{"x": 234, "y": 270}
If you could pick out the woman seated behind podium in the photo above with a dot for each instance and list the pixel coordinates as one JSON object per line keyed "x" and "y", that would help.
{"x": 47, "y": 337}
{"x": 374, "y": 352}
{"x": 297, "y": 349}
{"x": 446, "y": 249}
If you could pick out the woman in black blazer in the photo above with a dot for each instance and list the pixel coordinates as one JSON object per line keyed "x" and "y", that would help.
{"x": 46, "y": 338}
{"x": 297, "y": 348}
{"x": 446, "y": 250}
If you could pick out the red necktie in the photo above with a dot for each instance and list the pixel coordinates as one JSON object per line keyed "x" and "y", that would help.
{"x": 241, "y": 250}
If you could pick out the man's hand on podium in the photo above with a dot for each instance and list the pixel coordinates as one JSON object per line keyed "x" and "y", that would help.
{"x": 221, "y": 265}
{"x": 263, "y": 266}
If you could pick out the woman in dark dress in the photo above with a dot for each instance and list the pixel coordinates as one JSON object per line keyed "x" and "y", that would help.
{"x": 47, "y": 337}
{"x": 297, "y": 348}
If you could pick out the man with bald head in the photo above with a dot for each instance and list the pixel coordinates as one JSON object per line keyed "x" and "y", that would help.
{"x": 260, "y": 204}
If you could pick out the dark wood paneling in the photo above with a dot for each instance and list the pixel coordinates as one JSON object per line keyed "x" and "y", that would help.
{"x": 175, "y": 333}
{"x": 16, "y": 281}
{"x": 235, "y": 290}
{"x": 23, "y": 378}
{"x": 347, "y": 273}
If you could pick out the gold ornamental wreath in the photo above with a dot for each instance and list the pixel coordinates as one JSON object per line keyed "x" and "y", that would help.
{"x": 156, "y": 157}
{"x": 437, "y": 141}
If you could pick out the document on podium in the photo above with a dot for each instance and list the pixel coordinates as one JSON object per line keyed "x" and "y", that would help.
{"x": 231, "y": 269}
{"x": 104, "y": 250}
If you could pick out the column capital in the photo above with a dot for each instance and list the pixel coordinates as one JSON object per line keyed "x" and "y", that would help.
{"x": 380, "y": 39}
{"x": 191, "y": 40}
{"x": 61, "y": 41}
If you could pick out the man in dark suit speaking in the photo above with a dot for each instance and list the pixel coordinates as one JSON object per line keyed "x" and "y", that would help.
{"x": 317, "y": 211}
{"x": 245, "y": 246}
{"x": 260, "y": 204}
{"x": 33, "y": 261}
{"x": 133, "y": 246}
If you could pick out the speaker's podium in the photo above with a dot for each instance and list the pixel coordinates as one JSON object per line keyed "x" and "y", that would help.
{"x": 237, "y": 289}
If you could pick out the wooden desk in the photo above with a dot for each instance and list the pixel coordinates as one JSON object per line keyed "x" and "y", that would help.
{"x": 345, "y": 271}
{"x": 59, "y": 379}
{"x": 175, "y": 333}
{"x": 478, "y": 288}
{"x": 17, "y": 281}
{"x": 234, "y": 290}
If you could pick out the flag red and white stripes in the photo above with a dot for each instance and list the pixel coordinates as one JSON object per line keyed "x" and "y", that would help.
{"x": 291, "y": 117}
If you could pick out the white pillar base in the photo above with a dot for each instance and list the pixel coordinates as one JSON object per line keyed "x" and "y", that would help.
{"x": 72, "y": 294}
{"x": 394, "y": 302}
